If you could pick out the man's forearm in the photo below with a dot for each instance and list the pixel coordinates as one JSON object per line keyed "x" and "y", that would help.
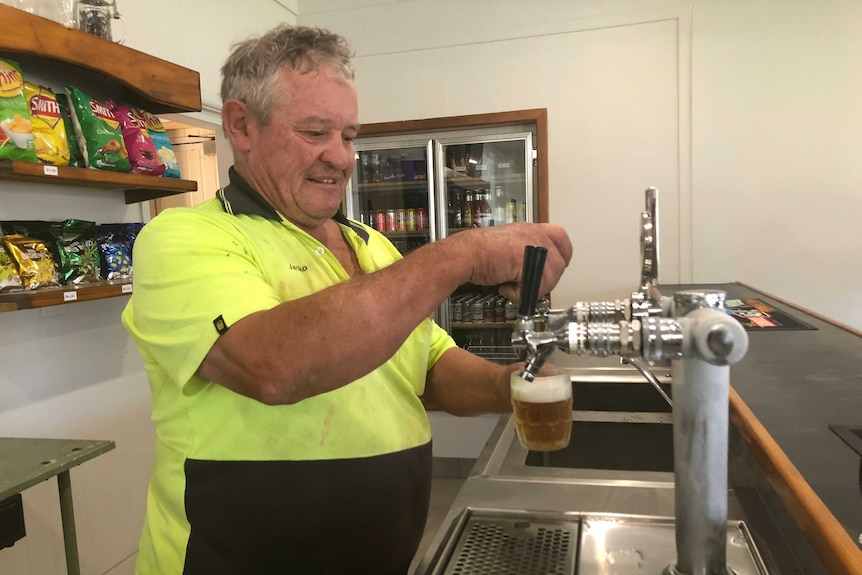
{"x": 464, "y": 384}
{"x": 320, "y": 342}
{"x": 315, "y": 344}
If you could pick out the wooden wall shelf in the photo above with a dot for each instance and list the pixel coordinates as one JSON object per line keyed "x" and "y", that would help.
{"x": 137, "y": 188}
{"x": 155, "y": 85}
{"x": 31, "y": 299}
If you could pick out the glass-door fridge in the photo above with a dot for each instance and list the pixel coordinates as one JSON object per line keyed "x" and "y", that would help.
{"x": 421, "y": 188}
{"x": 392, "y": 190}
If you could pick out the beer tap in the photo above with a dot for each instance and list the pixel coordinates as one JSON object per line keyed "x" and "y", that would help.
{"x": 539, "y": 344}
{"x": 690, "y": 329}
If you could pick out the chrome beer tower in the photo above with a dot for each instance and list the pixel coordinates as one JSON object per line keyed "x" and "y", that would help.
{"x": 692, "y": 331}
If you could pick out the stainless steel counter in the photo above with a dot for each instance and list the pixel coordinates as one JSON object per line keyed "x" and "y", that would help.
{"x": 504, "y": 491}
{"x": 796, "y": 382}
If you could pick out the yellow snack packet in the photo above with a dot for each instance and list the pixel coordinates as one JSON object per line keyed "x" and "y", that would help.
{"x": 49, "y": 130}
{"x": 32, "y": 260}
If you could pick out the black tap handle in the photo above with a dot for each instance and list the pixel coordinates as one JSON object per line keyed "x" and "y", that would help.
{"x": 531, "y": 278}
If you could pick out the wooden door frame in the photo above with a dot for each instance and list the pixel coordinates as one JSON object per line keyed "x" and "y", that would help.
{"x": 537, "y": 116}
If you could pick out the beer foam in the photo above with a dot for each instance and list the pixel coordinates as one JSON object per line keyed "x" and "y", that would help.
{"x": 541, "y": 389}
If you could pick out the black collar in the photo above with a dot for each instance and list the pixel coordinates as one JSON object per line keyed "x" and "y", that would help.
{"x": 238, "y": 197}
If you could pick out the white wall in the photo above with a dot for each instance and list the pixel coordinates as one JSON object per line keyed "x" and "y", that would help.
{"x": 609, "y": 75}
{"x": 611, "y": 78}
{"x": 744, "y": 114}
{"x": 756, "y": 153}
{"x": 198, "y": 34}
{"x": 71, "y": 371}
{"x": 777, "y": 149}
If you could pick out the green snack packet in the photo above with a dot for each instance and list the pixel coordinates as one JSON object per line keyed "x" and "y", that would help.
{"x": 76, "y": 159}
{"x": 16, "y": 131}
{"x": 99, "y": 134}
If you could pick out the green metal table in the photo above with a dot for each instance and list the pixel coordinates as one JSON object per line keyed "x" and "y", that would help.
{"x": 24, "y": 462}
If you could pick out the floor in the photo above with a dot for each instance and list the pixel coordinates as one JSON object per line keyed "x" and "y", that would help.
{"x": 443, "y": 492}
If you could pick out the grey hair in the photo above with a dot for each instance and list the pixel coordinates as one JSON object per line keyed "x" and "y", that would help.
{"x": 250, "y": 73}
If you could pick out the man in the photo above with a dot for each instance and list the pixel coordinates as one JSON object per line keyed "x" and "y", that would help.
{"x": 289, "y": 349}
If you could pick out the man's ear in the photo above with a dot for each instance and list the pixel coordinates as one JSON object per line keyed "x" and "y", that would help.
{"x": 235, "y": 119}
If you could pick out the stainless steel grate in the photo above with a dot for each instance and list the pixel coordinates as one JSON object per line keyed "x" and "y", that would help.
{"x": 514, "y": 547}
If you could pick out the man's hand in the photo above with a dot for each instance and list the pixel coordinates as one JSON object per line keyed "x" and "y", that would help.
{"x": 497, "y": 254}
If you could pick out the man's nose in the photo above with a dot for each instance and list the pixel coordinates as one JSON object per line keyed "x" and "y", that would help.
{"x": 337, "y": 153}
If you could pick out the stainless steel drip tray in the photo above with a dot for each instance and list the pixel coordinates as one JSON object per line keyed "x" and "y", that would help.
{"x": 497, "y": 542}
{"x": 515, "y": 542}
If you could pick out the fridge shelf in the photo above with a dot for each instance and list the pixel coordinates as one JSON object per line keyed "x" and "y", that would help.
{"x": 497, "y": 353}
{"x": 480, "y": 325}
{"x": 474, "y": 184}
{"x": 394, "y": 186}
{"x": 468, "y": 183}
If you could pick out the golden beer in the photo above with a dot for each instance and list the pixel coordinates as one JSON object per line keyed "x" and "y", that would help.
{"x": 543, "y": 411}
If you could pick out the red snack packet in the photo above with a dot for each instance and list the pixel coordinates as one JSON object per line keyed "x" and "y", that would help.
{"x": 143, "y": 156}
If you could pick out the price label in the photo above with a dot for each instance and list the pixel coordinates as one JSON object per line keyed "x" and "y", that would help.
{"x": 127, "y": 288}
{"x": 70, "y": 295}
{"x": 504, "y": 165}
{"x": 51, "y": 171}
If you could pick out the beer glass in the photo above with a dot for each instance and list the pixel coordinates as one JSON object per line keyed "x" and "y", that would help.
{"x": 543, "y": 411}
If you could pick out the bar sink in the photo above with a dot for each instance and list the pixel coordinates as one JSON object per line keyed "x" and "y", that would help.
{"x": 612, "y": 445}
{"x": 613, "y": 396}
{"x": 619, "y": 423}
{"x": 600, "y": 386}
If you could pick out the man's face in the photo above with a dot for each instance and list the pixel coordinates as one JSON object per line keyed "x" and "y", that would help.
{"x": 302, "y": 160}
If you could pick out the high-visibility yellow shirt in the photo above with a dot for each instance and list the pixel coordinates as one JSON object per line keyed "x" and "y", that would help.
{"x": 223, "y": 460}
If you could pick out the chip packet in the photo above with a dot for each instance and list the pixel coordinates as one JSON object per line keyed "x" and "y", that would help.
{"x": 142, "y": 151}
{"x": 32, "y": 260}
{"x": 163, "y": 144}
{"x": 72, "y": 244}
{"x": 131, "y": 231}
{"x": 116, "y": 254}
{"x": 16, "y": 131}
{"x": 49, "y": 130}
{"x": 98, "y": 131}
{"x": 122, "y": 239}
{"x": 9, "y": 278}
{"x": 76, "y": 157}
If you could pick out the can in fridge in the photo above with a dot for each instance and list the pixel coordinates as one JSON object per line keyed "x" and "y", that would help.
{"x": 421, "y": 219}
{"x": 380, "y": 221}
{"x": 390, "y": 221}
{"x": 401, "y": 220}
{"x": 411, "y": 220}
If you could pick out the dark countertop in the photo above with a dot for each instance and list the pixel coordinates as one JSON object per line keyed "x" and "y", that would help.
{"x": 798, "y": 383}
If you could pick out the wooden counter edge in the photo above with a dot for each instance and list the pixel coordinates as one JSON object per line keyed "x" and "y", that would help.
{"x": 827, "y": 536}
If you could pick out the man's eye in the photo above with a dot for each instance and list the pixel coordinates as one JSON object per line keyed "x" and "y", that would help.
{"x": 349, "y": 139}
{"x": 315, "y": 135}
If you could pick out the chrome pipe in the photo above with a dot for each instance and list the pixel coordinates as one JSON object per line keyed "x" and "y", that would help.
{"x": 643, "y": 368}
{"x": 700, "y": 432}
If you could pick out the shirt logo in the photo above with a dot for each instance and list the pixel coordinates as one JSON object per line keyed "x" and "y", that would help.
{"x": 220, "y": 325}
{"x": 299, "y": 268}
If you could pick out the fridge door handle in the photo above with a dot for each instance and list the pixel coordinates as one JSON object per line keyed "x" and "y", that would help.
{"x": 432, "y": 196}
